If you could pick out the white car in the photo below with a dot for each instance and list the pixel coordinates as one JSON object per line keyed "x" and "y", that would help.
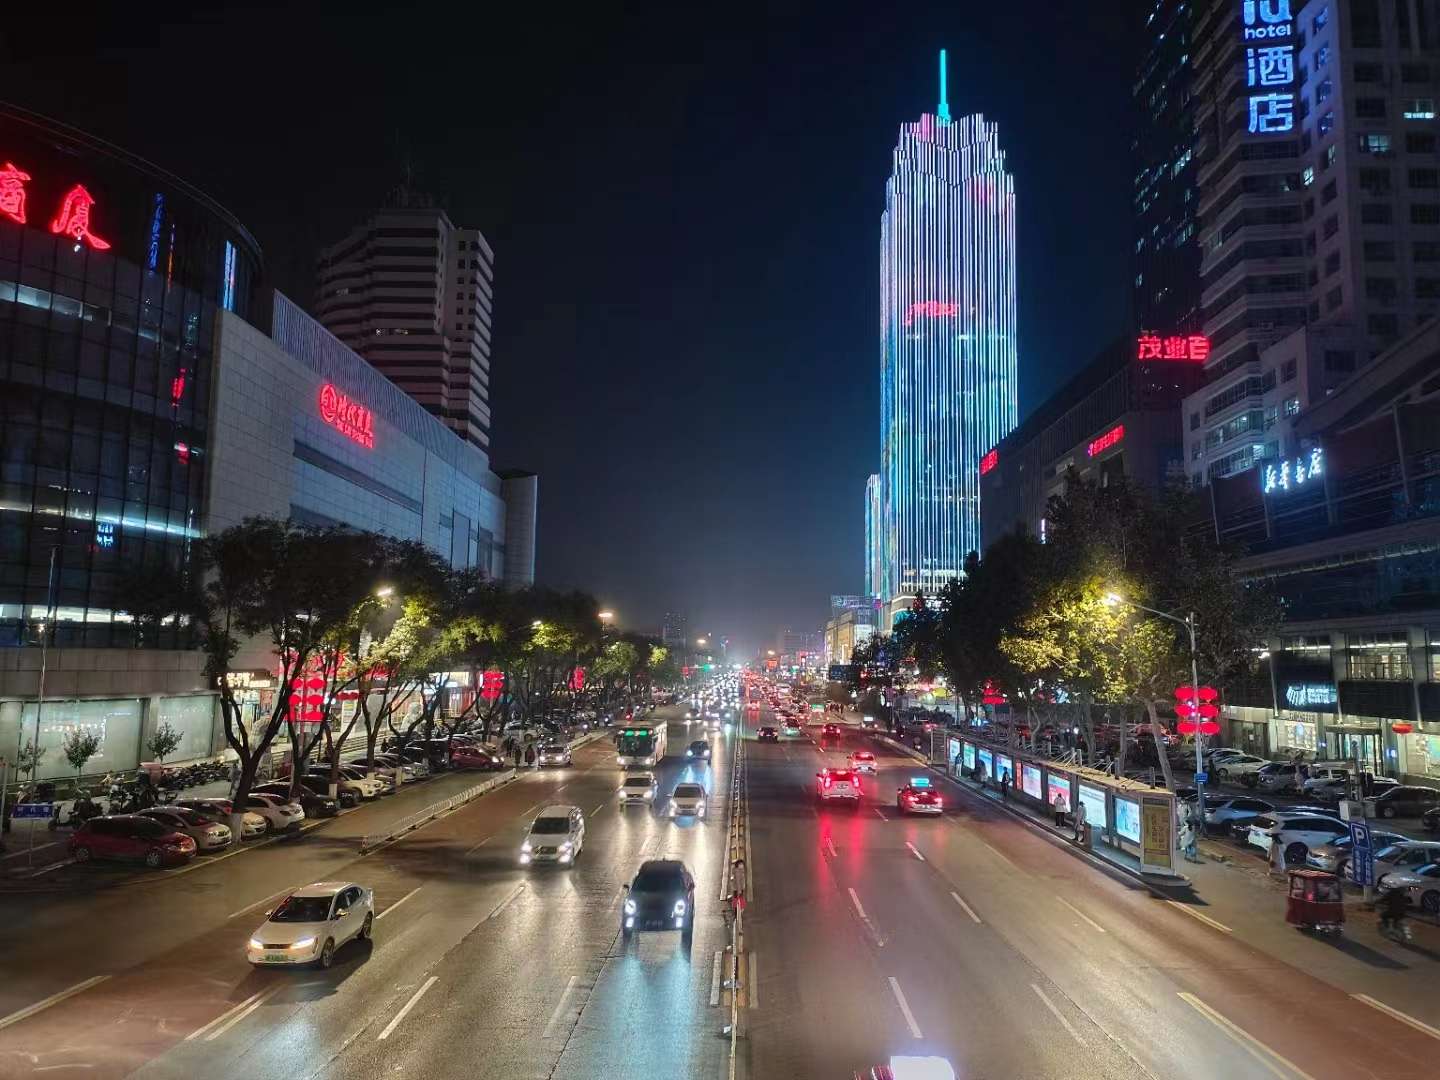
{"x": 208, "y": 834}
{"x": 637, "y": 787}
{"x": 687, "y": 800}
{"x": 251, "y": 823}
{"x": 1403, "y": 855}
{"x": 553, "y": 754}
{"x": 842, "y": 784}
{"x": 556, "y": 835}
{"x": 1222, "y": 811}
{"x": 1421, "y": 882}
{"x": 1238, "y": 766}
{"x": 1295, "y": 832}
{"x": 279, "y": 815}
{"x": 311, "y": 923}
{"x": 371, "y": 786}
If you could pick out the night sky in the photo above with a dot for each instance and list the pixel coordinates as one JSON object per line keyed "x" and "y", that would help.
{"x": 684, "y": 206}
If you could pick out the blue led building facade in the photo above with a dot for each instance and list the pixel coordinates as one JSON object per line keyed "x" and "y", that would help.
{"x": 948, "y": 344}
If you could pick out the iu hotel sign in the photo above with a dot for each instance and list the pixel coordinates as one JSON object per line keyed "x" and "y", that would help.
{"x": 1268, "y": 32}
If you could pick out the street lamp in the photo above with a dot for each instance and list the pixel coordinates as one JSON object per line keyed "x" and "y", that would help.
{"x": 605, "y": 616}
{"x": 700, "y": 641}
{"x": 1110, "y": 599}
{"x": 385, "y": 592}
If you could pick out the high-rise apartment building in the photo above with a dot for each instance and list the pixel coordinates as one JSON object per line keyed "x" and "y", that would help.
{"x": 874, "y": 549}
{"x": 672, "y": 631}
{"x": 947, "y": 343}
{"x": 1167, "y": 255}
{"x": 1319, "y": 207}
{"x": 412, "y": 293}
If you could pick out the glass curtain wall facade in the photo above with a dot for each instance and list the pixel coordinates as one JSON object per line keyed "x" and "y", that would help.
{"x": 110, "y": 274}
{"x": 874, "y": 550}
{"x": 948, "y": 344}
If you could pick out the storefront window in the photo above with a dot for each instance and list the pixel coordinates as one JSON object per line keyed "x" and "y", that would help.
{"x": 193, "y": 719}
{"x": 115, "y": 722}
{"x": 1379, "y": 656}
{"x": 1432, "y": 638}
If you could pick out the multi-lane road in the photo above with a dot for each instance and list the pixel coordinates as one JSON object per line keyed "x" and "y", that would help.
{"x": 478, "y": 967}
{"x": 969, "y": 936}
{"x": 975, "y": 938}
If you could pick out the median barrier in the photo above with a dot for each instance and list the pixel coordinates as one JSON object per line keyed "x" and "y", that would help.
{"x": 434, "y": 810}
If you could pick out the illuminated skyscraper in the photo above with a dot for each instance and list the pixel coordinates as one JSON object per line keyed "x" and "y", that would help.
{"x": 874, "y": 549}
{"x": 947, "y": 343}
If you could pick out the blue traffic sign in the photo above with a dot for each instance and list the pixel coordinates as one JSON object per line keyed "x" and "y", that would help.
{"x": 1202, "y": 778}
{"x": 1362, "y": 853}
{"x": 33, "y": 810}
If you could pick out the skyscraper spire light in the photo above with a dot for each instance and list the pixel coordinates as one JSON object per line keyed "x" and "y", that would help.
{"x": 943, "y": 112}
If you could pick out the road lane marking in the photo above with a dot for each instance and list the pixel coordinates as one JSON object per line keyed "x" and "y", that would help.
{"x": 715, "y": 978}
{"x": 752, "y": 983}
{"x": 855, "y": 899}
{"x": 53, "y": 999}
{"x": 1251, "y": 1045}
{"x": 968, "y": 909}
{"x": 1188, "y": 910}
{"x": 408, "y": 1006}
{"x": 1058, "y": 1014}
{"x": 830, "y": 845}
{"x": 905, "y": 1007}
{"x": 913, "y": 851}
{"x": 878, "y": 814}
{"x": 257, "y": 903}
{"x": 1002, "y": 857}
{"x": 1093, "y": 924}
{"x": 500, "y": 907}
{"x": 240, "y": 1012}
{"x": 559, "y": 1008}
{"x": 599, "y": 808}
{"x": 1404, "y": 1018}
{"x": 397, "y": 903}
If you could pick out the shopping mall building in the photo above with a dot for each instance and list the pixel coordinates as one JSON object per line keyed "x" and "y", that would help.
{"x": 152, "y": 391}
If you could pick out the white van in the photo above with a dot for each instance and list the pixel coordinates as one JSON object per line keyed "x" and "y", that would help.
{"x": 556, "y": 835}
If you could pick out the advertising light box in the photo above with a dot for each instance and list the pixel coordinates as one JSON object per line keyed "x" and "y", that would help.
{"x": 1003, "y": 765}
{"x": 969, "y": 755}
{"x": 1093, "y": 799}
{"x": 1030, "y": 780}
{"x": 1060, "y": 784}
{"x": 1127, "y": 819}
{"x": 988, "y": 760}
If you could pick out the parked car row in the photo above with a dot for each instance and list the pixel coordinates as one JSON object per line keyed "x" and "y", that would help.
{"x": 1324, "y": 782}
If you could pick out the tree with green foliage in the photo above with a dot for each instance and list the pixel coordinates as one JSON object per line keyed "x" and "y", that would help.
{"x": 163, "y": 742}
{"x": 79, "y": 747}
{"x": 279, "y": 588}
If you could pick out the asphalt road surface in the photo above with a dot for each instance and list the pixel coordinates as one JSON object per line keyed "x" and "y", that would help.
{"x": 479, "y": 967}
{"x": 972, "y": 937}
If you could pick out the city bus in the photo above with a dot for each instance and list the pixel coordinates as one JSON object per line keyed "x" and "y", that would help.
{"x": 641, "y": 745}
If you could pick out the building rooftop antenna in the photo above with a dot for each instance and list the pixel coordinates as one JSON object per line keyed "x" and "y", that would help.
{"x": 944, "y": 111}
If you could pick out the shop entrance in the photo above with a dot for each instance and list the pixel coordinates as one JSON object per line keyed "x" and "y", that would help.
{"x": 1361, "y": 746}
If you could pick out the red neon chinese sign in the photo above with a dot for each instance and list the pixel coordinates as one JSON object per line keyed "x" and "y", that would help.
{"x": 932, "y": 309}
{"x": 12, "y": 193}
{"x": 1193, "y": 347}
{"x": 989, "y": 461}
{"x": 74, "y": 218}
{"x": 347, "y": 416}
{"x": 1104, "y": 442}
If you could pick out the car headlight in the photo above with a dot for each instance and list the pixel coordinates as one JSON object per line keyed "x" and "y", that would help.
{"x": 679, "y": 907}
{"x": 567, "y": 846}
{"x": 525, "y": 847}
{"x": 629, "y": 907}
{"x": 303, "y": 943}
{"x": 256, "y": 943}
{"x": 672, "y": 809}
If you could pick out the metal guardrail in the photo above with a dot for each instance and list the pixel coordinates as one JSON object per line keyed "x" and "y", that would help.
{"x": 735, "y": 881}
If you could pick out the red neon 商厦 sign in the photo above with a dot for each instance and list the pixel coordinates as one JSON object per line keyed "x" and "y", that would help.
{"x": 1193, "y": 347}
{"x": 1104, "y": 442}
{"x": 347, "y": 416}
{"x": 989, "y": 461}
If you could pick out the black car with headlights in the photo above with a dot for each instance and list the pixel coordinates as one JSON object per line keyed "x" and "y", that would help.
{"x": 662, "y": 897}
{"x": 698, "y": 750}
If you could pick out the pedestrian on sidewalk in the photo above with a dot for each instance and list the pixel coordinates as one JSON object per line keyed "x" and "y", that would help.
{"x": 1187, "y": 835}
{"x": 1005, "y": 784}
{"x": 980, "y": 774}
{"x": 1080, "y": 823}
{"x": 530, "y": 755}
{"x": 515, "y": 752}
{"x": 1060, "y": 807}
